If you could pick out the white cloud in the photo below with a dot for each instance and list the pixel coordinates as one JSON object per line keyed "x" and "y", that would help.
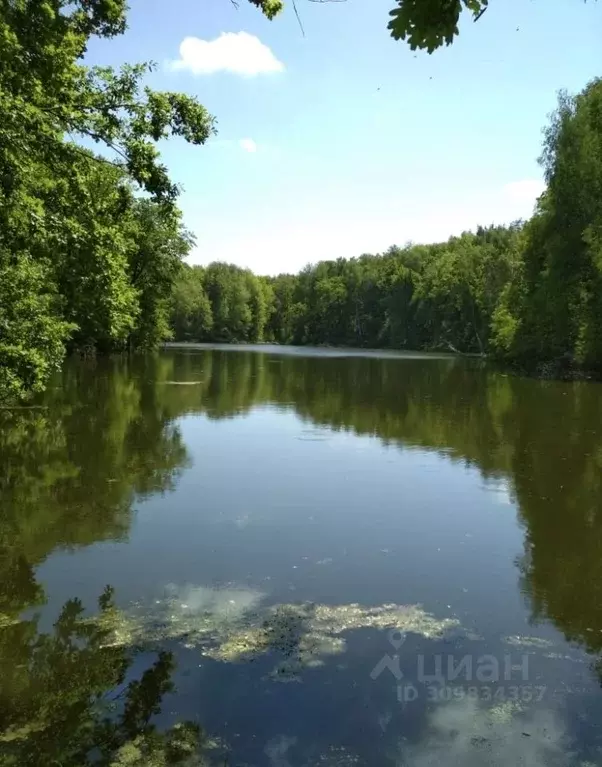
{"x": 526, "y": 190}
{"x": 248, "y": 145}
{"x": 463, "y": 732}
{"x": 236, "y": 52}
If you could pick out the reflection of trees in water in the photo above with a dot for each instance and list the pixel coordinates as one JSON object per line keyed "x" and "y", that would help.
{"x": 432, "y": 403}
{"x": 557, "y": 475}
{"x": 70, "y": 472}
{"x": 68, "y": 698}
{"x": 545, "y": 437}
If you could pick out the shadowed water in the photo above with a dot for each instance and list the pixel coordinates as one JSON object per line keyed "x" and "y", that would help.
{"x": 318, "y": 558}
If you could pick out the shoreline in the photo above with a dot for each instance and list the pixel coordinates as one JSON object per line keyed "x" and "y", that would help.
{"x": 550, "y": 370}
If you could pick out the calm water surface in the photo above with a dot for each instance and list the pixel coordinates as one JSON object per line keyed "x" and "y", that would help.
{"x": 346, "y": 554}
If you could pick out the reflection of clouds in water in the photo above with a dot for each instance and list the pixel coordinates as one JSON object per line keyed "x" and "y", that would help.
{"x": 463, "y": 734}
{"x": 194, "y": 614}
{"x": 230, "y": 624}
{"x": 276, "y": 750}
{"x": 225, "y": 604}
{"x": 233, "y": 624}
{"x": 501, "y": 490}
{"x": 460, "y": 733}
{"x": 335, "y": 756}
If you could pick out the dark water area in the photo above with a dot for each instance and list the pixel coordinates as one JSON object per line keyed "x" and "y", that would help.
{"x": 353, "y": 558}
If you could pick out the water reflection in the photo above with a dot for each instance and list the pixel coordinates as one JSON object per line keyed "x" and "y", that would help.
{"x": 463, "y": 733}
{"x": 236, "y": 625}
{"x": 70, "y": 471}
{"x": 108, "y": 435}
{"x": 544, "y": 439}
{"x": 70, "y": 698}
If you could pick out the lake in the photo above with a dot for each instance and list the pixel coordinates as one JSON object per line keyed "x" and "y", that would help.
{"x": 354, "y": 558}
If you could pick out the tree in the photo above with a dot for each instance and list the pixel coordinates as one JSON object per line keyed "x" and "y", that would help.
{"x": 418, "y": 297}
{"x": 31, "y": 336}
{"x": 190, "y": 311}
{"x": 159, "y": 243}
{"x": 284, "y": 312}
{"x": 65, "y": 245}
{"x": 220, "y": 302}
{"x": 553, "y": 310}
{"x": 48, "y": 95}
{"x": 431, "y": 23}
{"x": 423, "y": 23}
{"x": 91, "y": 263}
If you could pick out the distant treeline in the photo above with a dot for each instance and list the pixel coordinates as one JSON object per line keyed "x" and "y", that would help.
{"x": 418, "y": 297}
{"x": 530, "y": 292}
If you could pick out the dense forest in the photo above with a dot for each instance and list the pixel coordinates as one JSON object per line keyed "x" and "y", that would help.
{"x": 91, "y": 238}
{"x": 529, "y": 292}
{"x": 416, "y": 297}
{"x": 92, "y": 244}
{"x": 89, "y": 242}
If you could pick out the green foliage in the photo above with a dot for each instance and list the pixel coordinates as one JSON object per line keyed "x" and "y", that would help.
{"x": 430, "y": 23}
{"x": 286, "y": 315}
{"x": 417, "y": 297}
{"x": 61, "y": 703}
{"x": 92, "y": 271}
{"x": 424, "y": 24}
{"x": 81, "y": 260}
{"x": 557, "y": 309}
{"x": 221, "y": 302}
{"x": 504, "y": 324}
{"x": 270, "y": 8}
{"x": 191, "y": 314}
{"x": 31, "y": 338}
{"x": 158, "y": 244}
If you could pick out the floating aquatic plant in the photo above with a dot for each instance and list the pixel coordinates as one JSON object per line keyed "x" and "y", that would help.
{"x": 234, "y": 625}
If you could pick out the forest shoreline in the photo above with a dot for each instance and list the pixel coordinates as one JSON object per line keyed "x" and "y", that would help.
{"x": 551, "y": 370}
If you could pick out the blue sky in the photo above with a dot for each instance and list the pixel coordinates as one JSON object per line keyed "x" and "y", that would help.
{"x": 345, "y": 141}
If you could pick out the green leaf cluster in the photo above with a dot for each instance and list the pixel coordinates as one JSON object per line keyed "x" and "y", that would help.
{"x": 429, "y": 24}
{"x": 89, "y": 240}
